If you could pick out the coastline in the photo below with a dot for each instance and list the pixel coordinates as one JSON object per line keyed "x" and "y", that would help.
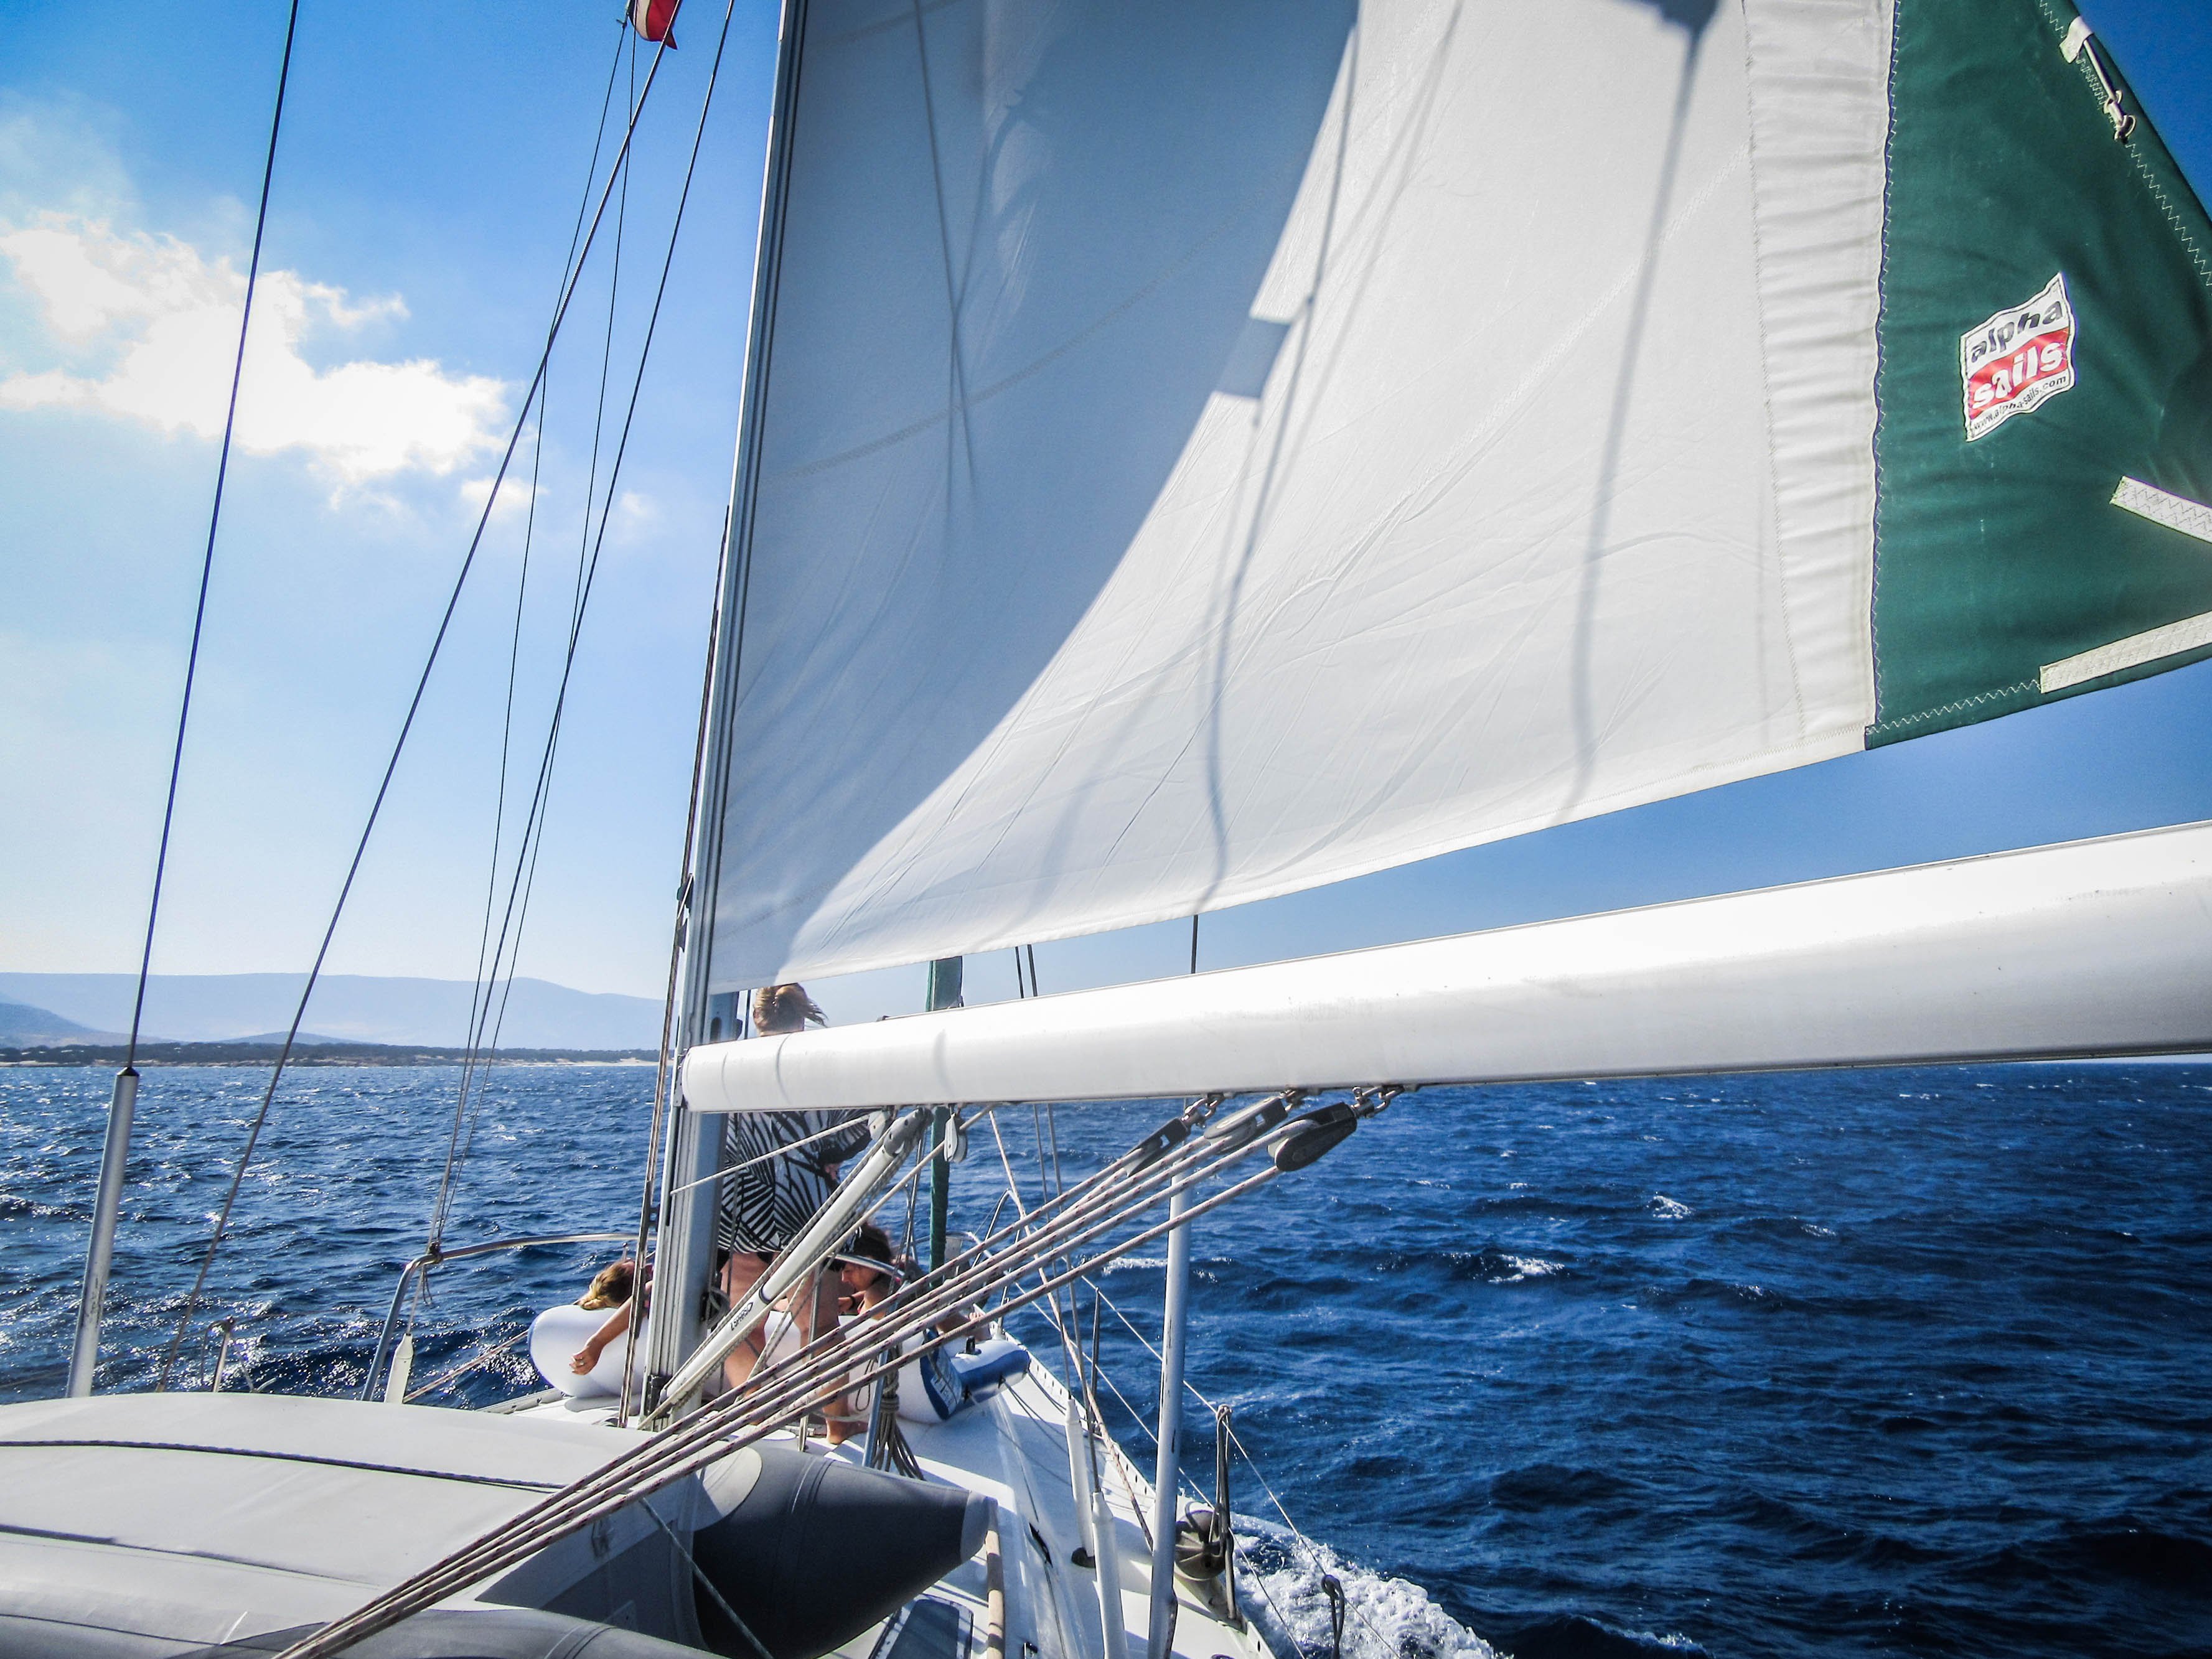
{"x": 87, "y": 1056}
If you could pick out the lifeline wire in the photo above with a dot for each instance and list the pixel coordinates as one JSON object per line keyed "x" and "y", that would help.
{"x": 207, "y": 560}
{"x": 392, "y": 766}
{"x": 1289, "y": 1525}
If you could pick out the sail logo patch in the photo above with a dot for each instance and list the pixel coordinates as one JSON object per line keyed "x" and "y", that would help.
{"x": 2017, "y": 361}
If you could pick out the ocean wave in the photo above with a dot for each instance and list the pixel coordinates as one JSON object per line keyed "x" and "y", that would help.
{"x": 1492, "y": 1266}
{"x": 1574, "y": 1636}
{"x": 1133, "y": 1263}
{"x": 1668, "y": 1209}
{"x": 1385, "y": 1618}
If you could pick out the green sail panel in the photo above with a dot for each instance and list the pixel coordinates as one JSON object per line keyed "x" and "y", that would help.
{"x": 2045, "y": 436}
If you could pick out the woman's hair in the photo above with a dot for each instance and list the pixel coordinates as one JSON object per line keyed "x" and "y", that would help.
{"x": 779, "y": 1010}
{"x": 872, "y": 1241}
{"x": 609, "y": 1286}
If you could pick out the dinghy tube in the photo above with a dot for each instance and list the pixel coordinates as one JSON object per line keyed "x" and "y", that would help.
{"x": 817, "y": 1549}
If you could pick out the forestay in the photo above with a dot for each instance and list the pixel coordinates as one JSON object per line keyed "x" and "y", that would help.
{"x": 1204, "y": 451}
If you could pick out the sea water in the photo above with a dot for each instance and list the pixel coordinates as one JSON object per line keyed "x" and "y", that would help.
{"x": 1909, "y": 1361}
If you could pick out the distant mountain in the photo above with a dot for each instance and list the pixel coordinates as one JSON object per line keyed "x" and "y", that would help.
{"x": 346, "y": 1008}
{"x": 23, "y": 1026}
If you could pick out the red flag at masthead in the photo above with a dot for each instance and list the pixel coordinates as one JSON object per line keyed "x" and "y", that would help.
{"x": 653, "y": 19}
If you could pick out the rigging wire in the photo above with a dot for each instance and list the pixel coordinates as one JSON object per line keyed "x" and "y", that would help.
{"x": 1313, "y": 1556}
{"x": 399, "y": 745}
{"x": 606, "y": 361}
{"x": 207, "y": 559}
{"x": 214, "y": 517}
{"x": 477, "y": 1068}
{"x": 525, "y": 884}
{"x": 667, "y": 1057}
{"x": 477, "y": 1362}
{"x": 115, "y": 1152}
{"x": 480, "y": 993}
{"x": 1099, "y": 1296}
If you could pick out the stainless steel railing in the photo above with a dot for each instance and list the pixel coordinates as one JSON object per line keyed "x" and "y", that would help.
{"x": 422, "y": 1264}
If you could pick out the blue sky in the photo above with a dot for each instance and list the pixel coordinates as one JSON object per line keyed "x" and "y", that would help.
{"x": 429, "y": 176}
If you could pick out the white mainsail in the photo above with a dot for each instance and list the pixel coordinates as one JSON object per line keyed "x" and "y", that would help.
{"x": 1206, "y": 451}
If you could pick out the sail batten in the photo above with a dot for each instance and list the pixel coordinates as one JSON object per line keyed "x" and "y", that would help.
{"x": 1207, "y": 453}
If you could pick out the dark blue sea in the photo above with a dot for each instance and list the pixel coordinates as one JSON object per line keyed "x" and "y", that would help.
{"x": 1901, "y": 1362}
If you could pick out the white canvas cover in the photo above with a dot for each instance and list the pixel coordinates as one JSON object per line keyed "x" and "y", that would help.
{"x": 1210, "y": 451}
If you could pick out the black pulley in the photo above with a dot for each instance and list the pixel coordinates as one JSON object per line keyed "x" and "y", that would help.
{"x": 1315, "y": 1133}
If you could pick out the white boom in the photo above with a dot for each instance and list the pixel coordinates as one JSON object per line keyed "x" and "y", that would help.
{"x": 2093, "y": 947}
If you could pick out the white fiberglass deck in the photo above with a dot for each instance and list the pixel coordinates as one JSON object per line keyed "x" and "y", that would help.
{"x": 1012, "y": 1446}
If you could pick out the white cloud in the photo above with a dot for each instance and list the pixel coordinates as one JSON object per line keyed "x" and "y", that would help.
{"x": 514, "y": 494}
{"x": 149, "y": 326}
{"x": 634, "y": 512}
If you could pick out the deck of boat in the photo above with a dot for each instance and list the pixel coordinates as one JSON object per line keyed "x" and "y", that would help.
{"x": 1012, "y": 1446}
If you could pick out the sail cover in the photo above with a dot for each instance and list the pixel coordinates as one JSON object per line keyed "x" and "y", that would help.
{"x": 1200, "y": 452}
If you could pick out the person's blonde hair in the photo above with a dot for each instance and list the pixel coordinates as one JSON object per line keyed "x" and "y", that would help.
{"x": 610, "y": 1286}
{"x": 779, "y": 1010}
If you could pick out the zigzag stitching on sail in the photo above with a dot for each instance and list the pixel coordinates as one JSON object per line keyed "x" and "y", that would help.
{"x": 1882, "y": 363}
{"x": 2086, "y": 71}
{"x": 1903, "y": 721}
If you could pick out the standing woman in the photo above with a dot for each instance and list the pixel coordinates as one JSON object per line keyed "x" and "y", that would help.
{"x": 771, "y": 1187}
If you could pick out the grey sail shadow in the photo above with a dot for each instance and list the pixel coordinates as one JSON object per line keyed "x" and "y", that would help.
{"x": 1112, "y": 180}
{"x": 1252, "y": 359}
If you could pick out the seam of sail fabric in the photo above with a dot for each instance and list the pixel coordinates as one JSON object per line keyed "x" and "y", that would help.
{"x": 2001, "y": 551}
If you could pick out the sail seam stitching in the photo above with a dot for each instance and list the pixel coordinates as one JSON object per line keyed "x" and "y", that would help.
{"x": 1766, "y": 383}
{"x": 2085, "y": 68}
{"x": 1979, "y": 697}
{"x": 1881, "y": 360}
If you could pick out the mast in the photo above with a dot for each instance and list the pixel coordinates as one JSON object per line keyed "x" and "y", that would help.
{"x": 687, "y": 1217}
{"x": 943, "y": 993}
